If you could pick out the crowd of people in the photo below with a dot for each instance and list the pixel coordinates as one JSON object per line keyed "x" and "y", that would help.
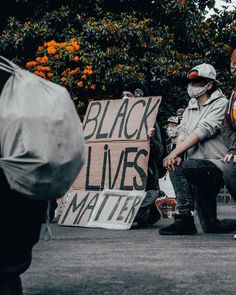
{"x": 199, "y": 153}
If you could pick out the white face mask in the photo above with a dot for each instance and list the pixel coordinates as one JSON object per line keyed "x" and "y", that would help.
{"x": 172, "y": 132}
{"x": 196, "y": 91}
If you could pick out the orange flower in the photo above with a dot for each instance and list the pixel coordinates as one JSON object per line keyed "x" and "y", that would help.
{"x": 39, "y": 73}
{"x": 69, "y": 48}
{"x": 51, "y": 50}
{"x": 57, "y": 56}
{"x": 50, "y": 75}
{"x": 84, "y": 77}
{"x": 73, "y": 72}
{"x": 63, "y": 79}
{"x": 43, "y": 59}
{"x": 76, "y": 58}
{"x": 42, "y": 68}
{"x": 88, "y": 70}
{"x": 39, "y": 68}
{"x": 75, "y": 44}
{"x": 62, "y": 44}
{"x": 31, "y": 64}
{"x": 66, "y": 71}
{"x": 50, "y": 43}
{"x": 80, "y": 83}
{"x": 92, "y": 87}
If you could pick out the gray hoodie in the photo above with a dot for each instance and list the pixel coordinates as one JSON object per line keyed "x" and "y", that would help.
{"x": 206, "y": 122}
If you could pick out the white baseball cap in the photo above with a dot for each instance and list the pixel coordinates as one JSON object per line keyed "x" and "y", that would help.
{"x": 203, "y": 70}
{"x": 173, "y": 119}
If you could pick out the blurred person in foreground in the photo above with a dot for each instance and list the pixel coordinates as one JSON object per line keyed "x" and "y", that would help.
{"x": 20, "y": 223}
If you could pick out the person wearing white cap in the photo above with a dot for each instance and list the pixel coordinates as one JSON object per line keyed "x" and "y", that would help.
{"x": 200, "y": 139}
{"x": 179, "y": 113}
{"x": 172, "y": 132}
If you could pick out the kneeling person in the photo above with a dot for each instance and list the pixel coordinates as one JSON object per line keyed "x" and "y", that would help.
{"x": 201, "y": 140}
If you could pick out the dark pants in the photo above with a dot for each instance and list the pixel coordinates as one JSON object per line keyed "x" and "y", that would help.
{"x": 207, "y": 179}
{"x": 20, "y": 224}
{"x": 230, "y": 178}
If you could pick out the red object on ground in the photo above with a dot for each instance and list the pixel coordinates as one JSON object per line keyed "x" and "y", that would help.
{"x": 167, "y": 206}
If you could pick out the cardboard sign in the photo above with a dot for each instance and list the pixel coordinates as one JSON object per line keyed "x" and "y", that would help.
{"x": 109, "y": 209}
{"x": 117, "y": 154}
{"x": 123, "y": 119}
{"x": 78, "y": 208}
{"x": 114, "y": 165}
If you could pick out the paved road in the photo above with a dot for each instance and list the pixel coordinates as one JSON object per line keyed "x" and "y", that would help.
{"x": 139, "y": 261}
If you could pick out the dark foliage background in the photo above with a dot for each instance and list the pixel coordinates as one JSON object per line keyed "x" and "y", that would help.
{"x": 151, "y": 41}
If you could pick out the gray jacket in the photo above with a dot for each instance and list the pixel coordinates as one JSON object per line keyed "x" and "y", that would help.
{"x": 206, "y": 122}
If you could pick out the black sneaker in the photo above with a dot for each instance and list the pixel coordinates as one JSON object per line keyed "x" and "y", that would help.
{"x": 183, "y": 225}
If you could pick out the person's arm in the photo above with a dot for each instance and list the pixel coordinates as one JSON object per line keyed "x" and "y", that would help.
{"x": 175, "y": 157}
{"x": 206, "y": 128}
{"x": 211, "y": 124}
{"x": 183, "y": 146}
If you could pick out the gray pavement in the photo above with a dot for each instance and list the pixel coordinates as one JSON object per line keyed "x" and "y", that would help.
{"x": 138, "y": 261}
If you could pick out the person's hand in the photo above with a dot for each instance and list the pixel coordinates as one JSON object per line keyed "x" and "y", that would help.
{"x": 150, "y": 132}
{"x": 178, "y": 160}
{"x": 171, "y": 165}
{"x": 229, "y": 157}
{"x": 171, "y": 161}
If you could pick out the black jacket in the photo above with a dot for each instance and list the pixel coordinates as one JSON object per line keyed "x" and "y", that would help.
{"x": 157, "y": 153}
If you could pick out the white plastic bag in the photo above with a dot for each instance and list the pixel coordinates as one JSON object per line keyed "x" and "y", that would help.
{"x": 41, "y": 136}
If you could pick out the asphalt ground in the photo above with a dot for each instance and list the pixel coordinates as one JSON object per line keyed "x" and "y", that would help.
{"x": 137, "y": 261}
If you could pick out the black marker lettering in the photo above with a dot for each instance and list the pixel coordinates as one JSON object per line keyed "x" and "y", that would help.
{"x": 99, "y": 134}
{"x": 87, "y": 185}
{"x": 121, "y": 114}
{"x": 95, "y": 119}
{"x": 129, "y": 136}
{"x": 145, "y": 116}
{"x": 140, "y": 171}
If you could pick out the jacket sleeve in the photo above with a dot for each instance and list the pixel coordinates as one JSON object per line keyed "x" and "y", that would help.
{"x": 229, "y": 135}
{"x": 156, "y": 145}
{"x": 182, "y": 127}
{"x": 212, "y": 122}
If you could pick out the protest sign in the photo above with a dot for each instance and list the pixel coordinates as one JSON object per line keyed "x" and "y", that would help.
{"x": 107, "y": 209}
{"x": 117, "y": 151}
